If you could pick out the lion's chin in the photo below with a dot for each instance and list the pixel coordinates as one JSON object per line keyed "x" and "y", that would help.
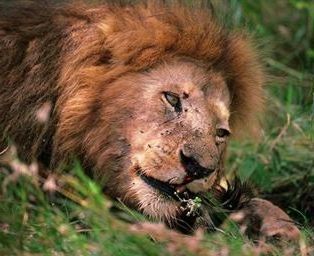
{"x": 153, "y": 203}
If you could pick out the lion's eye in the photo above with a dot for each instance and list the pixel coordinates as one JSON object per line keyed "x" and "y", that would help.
{"x": 222, "y": 133}
{"x": 173, "y": 100}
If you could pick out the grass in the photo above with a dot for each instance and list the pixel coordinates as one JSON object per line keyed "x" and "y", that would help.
{"x": 280, "y": 164}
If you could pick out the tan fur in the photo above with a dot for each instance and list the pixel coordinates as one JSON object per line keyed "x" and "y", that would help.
{"x": 102, "y": 70}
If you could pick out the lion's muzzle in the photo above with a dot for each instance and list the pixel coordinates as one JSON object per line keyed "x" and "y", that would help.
{"x": 193, "y": 168}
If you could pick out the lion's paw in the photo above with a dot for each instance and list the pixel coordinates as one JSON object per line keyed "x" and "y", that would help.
{"x": 261, "y": 219}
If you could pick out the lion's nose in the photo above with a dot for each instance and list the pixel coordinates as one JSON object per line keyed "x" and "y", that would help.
{"x": 193, "y": 168}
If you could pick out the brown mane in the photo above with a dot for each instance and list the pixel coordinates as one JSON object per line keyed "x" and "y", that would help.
{"x": 66, "y": 55}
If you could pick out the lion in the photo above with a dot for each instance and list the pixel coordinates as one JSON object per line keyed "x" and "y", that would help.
{"x": 146, "y": 96}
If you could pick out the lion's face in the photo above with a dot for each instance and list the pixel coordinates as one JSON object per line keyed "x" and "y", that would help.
{"x": 177, "y": 135}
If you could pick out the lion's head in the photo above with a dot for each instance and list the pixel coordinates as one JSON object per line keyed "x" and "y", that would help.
{"x": 177, "y": 134}
{"x": 145, "y": 95}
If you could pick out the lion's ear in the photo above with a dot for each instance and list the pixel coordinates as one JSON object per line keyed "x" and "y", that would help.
{"x": 246, "y": 78}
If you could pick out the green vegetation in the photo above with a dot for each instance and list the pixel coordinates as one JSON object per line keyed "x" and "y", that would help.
{"x": 280, "y": 164}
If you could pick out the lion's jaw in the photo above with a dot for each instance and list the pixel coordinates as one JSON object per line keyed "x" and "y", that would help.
{"x": 159, "y": 206}
{"x": 151, "y": 202}
{"x": 160, "y": 136}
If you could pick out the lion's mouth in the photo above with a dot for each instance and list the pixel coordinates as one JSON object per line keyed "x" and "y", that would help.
{"x": 171, "y": 191}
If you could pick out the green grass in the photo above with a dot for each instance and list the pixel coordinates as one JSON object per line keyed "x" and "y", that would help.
{"x": 280, "y": 164}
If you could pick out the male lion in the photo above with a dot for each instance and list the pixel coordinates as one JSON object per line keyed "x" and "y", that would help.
{"x": 145, "y": 95}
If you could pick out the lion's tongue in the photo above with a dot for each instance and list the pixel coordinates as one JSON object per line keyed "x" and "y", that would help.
{"x": 180, "y": 188}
